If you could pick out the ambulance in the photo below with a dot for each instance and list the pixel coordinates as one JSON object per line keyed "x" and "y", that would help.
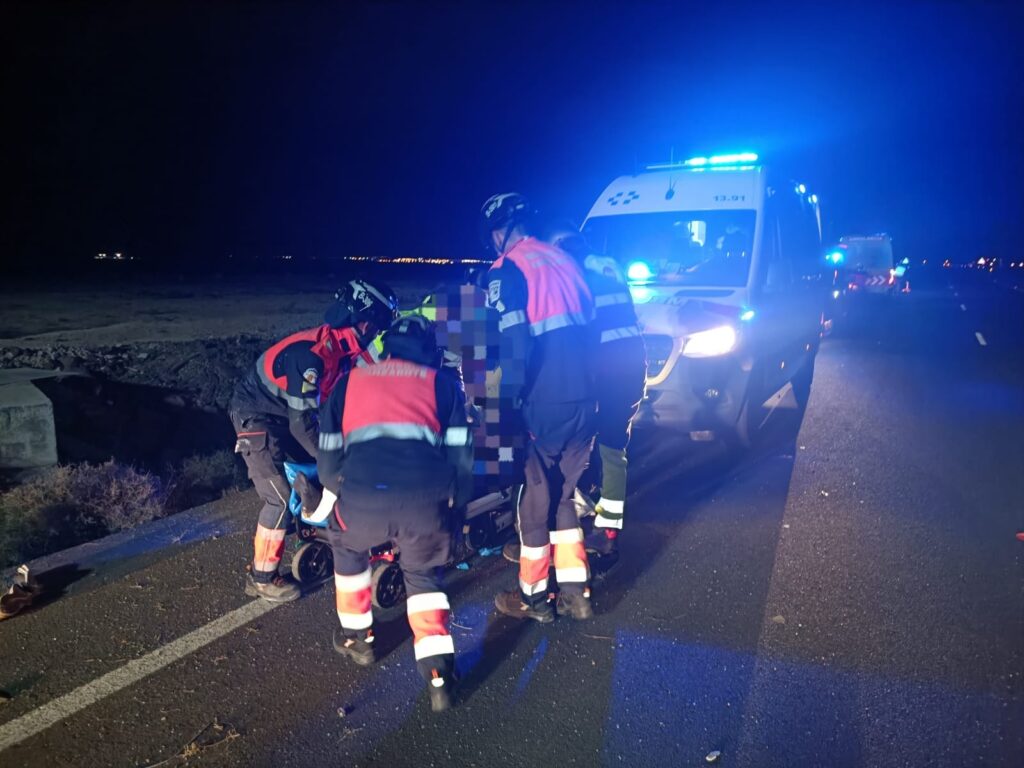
{"x": 724, "y": 261}
{"x": 866, "y": 265}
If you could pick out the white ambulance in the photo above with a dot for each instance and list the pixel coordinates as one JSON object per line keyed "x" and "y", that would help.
{"x": 725, "y": 264}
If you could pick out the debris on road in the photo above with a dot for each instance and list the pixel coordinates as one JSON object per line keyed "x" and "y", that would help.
{"x": 780, "y": 619}
{"x": 212, "y": 734}
{"x": 712, "y": 757}
{"x": 824, "y": 493}
{"x": 344, "y": 710}
{"x": 463, "y": 566}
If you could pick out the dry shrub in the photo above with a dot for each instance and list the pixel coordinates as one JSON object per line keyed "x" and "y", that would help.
{"x": 200, "y": 479}
{"x": 69, "y": 504}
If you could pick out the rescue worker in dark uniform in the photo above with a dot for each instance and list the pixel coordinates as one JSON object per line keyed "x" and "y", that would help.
{"x": 545, "y": 310}
{"x": 273, "y": 410}
{"x": 620, "y": 376}
{"x": 396, "y": 453}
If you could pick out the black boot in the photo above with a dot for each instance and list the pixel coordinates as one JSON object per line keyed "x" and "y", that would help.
{"x": 575, "y": 604}
{"x": 358, "y": 649}
{"x": 511, "y": 604}
{"x": 441, "y": 688}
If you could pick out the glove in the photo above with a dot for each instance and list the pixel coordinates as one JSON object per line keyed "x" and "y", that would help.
{"x": 324, "y": 509}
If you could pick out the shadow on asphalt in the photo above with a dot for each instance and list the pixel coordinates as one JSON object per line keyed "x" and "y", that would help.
{"x": 54, "y": 583}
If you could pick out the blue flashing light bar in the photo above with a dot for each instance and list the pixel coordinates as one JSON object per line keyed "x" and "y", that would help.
{"x": 715, "y": 161}
{"x": 836, "y": 257}
{"x": 734, "y": 159}
{"x": 747, "y": 315}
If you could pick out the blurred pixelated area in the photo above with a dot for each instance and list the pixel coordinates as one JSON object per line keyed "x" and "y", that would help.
{"x": 468, "y": 328}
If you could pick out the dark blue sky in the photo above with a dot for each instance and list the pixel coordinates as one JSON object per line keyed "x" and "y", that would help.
{"x": 193, "y": 130}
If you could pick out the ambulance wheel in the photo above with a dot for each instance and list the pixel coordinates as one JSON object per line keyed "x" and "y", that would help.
{"x": 312, "y": 563}
{"x": 387, "y": 585}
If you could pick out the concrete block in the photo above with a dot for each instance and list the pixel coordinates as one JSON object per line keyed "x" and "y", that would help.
{"x": 28, "y": 438}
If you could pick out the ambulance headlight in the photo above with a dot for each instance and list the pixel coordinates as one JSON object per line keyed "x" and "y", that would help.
{"x": 639, "y": 272}
{"x": 710, "y": 343}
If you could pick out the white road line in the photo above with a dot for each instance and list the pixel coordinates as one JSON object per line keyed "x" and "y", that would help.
{"x": 963, "y": 307}
{"x": 38, "y": 720}
{"x": 980, "y": 338}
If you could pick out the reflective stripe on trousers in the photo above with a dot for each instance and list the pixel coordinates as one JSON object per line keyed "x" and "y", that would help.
{"x": 269, "y": 546}
{"x": 353, "y": 598}
{"x": 570, "y": 556}
{"x": 534, "y": 564}
{"x": 428, "y": 619}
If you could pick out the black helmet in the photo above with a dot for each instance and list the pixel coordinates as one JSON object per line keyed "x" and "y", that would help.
{"x": 363, "y": 301}
{"x": 500, "y": 211}
{"x": 414, "y": 338}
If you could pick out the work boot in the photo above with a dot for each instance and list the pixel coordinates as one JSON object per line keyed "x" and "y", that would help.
{"x": 602, "y": 541}
{"x": 442, "y": 692}
{"x": 278, "y": 590}
{"x": 359, "y": 650}
{"x": 511, "y": 551}
{"x": 511, "y": 604}
{"x": 575, "y": 604}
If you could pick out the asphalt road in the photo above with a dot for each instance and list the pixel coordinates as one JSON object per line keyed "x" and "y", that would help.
{"x": 850, "y": 596}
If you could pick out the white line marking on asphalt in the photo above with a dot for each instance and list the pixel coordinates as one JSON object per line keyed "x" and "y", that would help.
{"x": 963, "y": 307}
{"x": 51, "y": 713}
{"x": 980, "y": 338}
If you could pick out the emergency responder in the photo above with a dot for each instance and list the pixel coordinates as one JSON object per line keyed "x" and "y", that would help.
{"x": 273, "y": 410}
{"x": 395, "y": 448}
{"x": 545, "y": 310}
{"x": 620, "y": 375}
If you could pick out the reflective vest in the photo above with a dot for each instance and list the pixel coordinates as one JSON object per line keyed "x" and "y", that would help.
{"x": 337, "y": 347}
{"x": 558, "y": 296}
{"x": 394, "y": 398}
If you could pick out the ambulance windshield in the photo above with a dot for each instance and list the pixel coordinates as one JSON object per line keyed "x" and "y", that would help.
{"x": 695, "y": 248}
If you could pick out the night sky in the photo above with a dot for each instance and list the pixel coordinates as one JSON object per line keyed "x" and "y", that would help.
{"x": 187, "y": 131}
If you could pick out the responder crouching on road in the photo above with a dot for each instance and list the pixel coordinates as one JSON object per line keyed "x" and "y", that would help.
{"x": 620, "y": 376}
{"x": 396, "y": 453}
{"x": 273, "y": 410}
{"x": 545, "y": 310}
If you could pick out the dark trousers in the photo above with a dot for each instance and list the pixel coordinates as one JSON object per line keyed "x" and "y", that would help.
{"x": 265, "y": 443}
{"x": 618, "y": 399}
{"x": 557, "y": 453}
{"x": 420, "y": 532}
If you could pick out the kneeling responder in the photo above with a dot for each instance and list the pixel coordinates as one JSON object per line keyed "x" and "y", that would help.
{"x": 620, "y": 376}
{"x": 395, "y": 460}
{"x": 545, "y": 310}
{"x": 273, "y": 410}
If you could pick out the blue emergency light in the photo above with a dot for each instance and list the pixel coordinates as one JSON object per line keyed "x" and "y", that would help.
{"x": 639, "y": 271}
{"x": 836, "y": 257}
{"x": 747, "y": 315}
